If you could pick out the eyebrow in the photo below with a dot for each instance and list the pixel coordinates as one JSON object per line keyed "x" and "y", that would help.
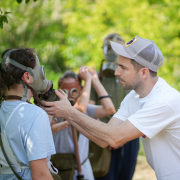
{"x": 121, "y": 65}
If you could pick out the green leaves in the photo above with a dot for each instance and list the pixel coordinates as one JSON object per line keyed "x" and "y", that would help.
{"x": 26, "y": 1}
{"x": 19, "y": 1}
{"x": 3, "y": 18}
{"x": 3, "y": 15}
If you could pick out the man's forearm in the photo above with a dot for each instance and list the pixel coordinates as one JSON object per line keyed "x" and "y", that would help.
{"x": 97, "y": 129}
{"x": 99, "y": 142}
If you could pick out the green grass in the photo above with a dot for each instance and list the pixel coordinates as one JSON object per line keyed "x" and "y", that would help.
{"x": 141, "y": 148}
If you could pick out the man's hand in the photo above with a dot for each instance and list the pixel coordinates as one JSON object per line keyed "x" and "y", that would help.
{"x": 58, "y": 108}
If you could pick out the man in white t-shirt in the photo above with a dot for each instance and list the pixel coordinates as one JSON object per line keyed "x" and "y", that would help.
{"x": 150, "y": 111}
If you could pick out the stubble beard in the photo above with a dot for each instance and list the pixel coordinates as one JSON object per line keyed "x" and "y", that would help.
{"x": 136, "y": 84}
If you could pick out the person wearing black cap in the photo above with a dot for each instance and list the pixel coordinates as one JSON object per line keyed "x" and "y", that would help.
{"x": 125, "y": 156}
{"x": 150, "y": 111}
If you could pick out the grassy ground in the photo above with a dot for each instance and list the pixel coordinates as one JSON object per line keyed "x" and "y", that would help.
{"x": 143, "y": 171}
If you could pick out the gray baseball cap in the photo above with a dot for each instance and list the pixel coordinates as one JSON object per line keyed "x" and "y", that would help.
{"x": 143, "y": 51}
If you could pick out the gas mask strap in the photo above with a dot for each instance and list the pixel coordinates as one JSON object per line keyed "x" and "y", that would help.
{"x": 35, "y": 95}
{"x": 28, "y": 69}
{"x": 3, "y": 61}
{"x": 24, "y": 98}
{"x": 6, "y": 59}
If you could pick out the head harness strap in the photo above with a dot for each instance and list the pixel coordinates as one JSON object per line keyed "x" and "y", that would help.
{"x": 6, "y": 59}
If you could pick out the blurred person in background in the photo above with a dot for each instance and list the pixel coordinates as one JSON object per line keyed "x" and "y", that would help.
{"x": 78, "y": 96}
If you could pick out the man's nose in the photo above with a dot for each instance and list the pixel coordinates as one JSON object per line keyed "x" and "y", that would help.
{"x": 117, "y": 72}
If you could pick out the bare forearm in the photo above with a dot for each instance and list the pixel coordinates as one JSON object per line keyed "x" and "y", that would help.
{"x": 98, "y": 129}
{"x": 43, "y": 177}
{"x": 107, "y": 103}
{"x": 39, "y": 170}
{"x": 88, "y": 135}
{"x": 83, "y": 100}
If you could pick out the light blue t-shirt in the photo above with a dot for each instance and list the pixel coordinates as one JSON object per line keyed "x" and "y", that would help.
{"x": 29, "y": 134}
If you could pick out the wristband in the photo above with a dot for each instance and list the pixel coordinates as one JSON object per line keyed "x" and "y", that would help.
{"x": 107, "y": 96}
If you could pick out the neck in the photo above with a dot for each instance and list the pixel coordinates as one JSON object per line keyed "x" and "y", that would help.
{"x": 145, "y": 88}
{"x": 18, "y": 90}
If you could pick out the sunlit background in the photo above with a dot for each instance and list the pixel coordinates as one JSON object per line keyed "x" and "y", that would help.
{"x": 67, "y": 34}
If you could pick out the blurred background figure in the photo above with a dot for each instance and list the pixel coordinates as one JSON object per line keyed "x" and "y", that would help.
{"x": 68, "y": 142}
{"x": 123, "y": 160}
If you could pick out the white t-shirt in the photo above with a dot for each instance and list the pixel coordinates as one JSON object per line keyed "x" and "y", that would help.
{"x": 158, "y": 117}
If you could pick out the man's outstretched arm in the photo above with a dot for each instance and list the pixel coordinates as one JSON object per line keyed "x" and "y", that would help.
{"x": 115, "y": 133}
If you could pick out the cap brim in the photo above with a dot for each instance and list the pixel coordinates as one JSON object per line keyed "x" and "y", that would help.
{"x": 119, "y": 49}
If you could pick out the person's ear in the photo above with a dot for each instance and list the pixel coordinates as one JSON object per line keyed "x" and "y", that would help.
{"x": 26, "y": 77}
{"x": 144, "y": 72}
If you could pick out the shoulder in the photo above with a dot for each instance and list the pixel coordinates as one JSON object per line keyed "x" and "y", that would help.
{"x": 31, "y": 111}
{"x": 164, "y": 92}
{"x": 163, "y": 96}
{"x": 34, "y": 108}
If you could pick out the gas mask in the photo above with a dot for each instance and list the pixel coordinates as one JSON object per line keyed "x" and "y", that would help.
{"x": 109, "y": 66}
{"x": 40, "y": 86}
{"x": 72, "y": 90}
{"x": 110, "y": 58}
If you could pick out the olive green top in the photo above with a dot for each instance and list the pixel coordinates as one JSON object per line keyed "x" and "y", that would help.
{"x": 114, "y": 88}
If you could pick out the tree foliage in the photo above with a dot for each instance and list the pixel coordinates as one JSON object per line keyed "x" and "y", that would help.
{"x": 4, "y": 15}
{"x": 69, "y": 33}
{"x": 3, "y": 18}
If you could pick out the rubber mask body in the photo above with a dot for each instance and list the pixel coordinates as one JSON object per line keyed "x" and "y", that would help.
{"x": 40, "y": 84}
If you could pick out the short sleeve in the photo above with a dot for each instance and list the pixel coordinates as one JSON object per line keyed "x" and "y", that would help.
{"x": 122, "y": 113}
{"x": 127, "y": 107}
{"x": 39, "y": 142}
{"x": 91, "y": 109}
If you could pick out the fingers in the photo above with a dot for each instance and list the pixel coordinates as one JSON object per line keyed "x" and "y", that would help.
{"x": 84, "y": 72}
{"x": 45, "y": 103}
{"x": 49, "y": 110}
{"x": 65, "y": 123}
{"x": 53, "y": 121}
{"x": 63, "y": 93}
{"x": 94, "y": 69}
{"x": 60, "y": 94}
{"x": 110, "y": 148}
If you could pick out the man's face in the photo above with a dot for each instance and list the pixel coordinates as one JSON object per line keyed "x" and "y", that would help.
{"x": 129, "y": 77}
{"x": 72, "y": 87}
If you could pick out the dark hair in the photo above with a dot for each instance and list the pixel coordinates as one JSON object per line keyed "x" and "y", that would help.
{"x": 112, "y": 35}
{"x": 137, "y": 67}
{"x": 69, "y": 74}
{"x": 13, "y": 74}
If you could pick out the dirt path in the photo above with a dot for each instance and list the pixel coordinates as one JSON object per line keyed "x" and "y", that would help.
{"x": 143, "y": 170}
